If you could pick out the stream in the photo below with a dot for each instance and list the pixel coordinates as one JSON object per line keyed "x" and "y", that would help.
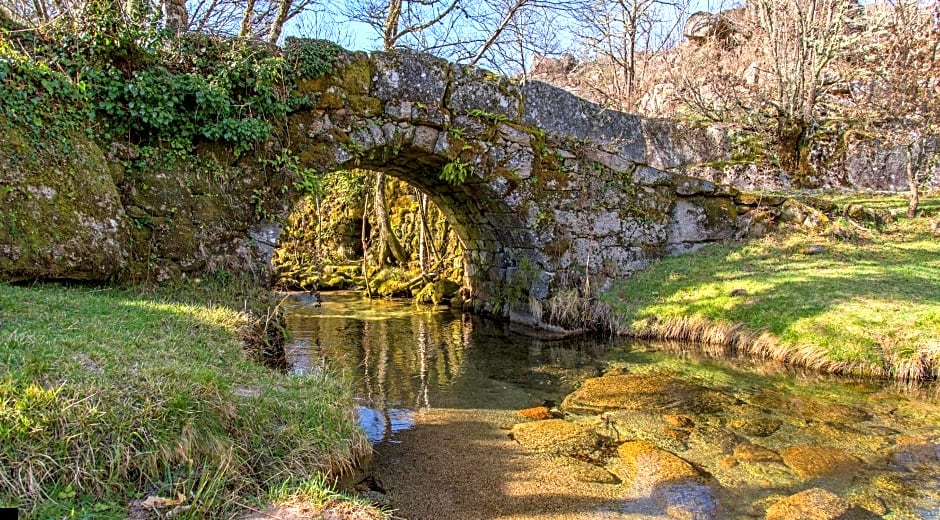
{"x": 666, "y": 433}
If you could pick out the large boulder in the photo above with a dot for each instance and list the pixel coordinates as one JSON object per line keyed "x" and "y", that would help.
{"x": 702, "y": 26}
{"x": 61, "y": 214}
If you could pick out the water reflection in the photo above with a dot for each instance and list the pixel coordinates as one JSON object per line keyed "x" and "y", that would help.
{"x": 406, "y": 358}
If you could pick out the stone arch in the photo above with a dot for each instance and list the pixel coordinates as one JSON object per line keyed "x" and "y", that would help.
{"x": 495, "y": 241}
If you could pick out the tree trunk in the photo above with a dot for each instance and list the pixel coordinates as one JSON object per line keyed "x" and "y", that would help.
{"x": 390, "y": 33}
{"x": 365, "y": 246}
{"x": 912, "y": 183}
{"x": 387, "y": 239}
{"x": 277, "y": 26}
{"x": 790, "y": 137}
{"x": 175, "y": 16}
{"x": 246, "y": 31}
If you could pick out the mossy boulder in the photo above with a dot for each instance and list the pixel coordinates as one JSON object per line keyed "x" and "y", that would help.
{"x": 60, "y": 211}
{"x": 802, "y": 215}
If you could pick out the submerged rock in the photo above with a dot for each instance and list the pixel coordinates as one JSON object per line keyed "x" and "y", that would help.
{"x": 648, "y": 466}
{"x": 756, "y": 426}
{"x": 536, "y": 413}
{"x": 679, "y": 421}
{"x": 555, "y": 437}
{"x": 655, "y": 391}
{"x": 586, "y": 472}
{"x": 687, "y": 501}
{"x": 672, "y": 483}
{"x": 815, "y": 461}
{"x": 713, "y": 440}
{"x": 748, "y": 452}
{"x": 815, "y": 504}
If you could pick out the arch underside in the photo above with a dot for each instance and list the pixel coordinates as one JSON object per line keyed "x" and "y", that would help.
{"x": 493, "y": 238}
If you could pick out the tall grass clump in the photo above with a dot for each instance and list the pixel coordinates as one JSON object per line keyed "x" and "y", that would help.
{"x": 109, "y": 395}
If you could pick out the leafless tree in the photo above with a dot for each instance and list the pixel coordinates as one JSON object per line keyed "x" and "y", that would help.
{"x": 901, "y": 94}
{"x": 622, "y": 36}
{"x": 799, "y": 41}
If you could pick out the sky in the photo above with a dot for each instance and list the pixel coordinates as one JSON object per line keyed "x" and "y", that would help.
{"x": 361, "y": 37}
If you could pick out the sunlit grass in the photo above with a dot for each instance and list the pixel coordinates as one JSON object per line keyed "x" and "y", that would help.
{"x": 107, "y": 395}
{"x": 869, "y": 303}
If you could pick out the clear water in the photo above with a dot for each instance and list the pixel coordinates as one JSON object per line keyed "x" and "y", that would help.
{"x": 410, "y": 361}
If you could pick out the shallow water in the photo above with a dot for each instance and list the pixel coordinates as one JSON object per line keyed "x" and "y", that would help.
{"x": 438, "y": 391}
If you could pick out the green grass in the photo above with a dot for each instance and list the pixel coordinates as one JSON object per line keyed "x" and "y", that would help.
{"x": 107, "y": 395}
{"x": 868, "y": 304}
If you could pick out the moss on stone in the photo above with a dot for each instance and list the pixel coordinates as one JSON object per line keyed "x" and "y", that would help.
{"x": 61, "y": 214}
{"x": 365, "y": 106}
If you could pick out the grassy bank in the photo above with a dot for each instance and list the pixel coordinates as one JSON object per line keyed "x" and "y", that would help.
{"x": 110, "y": 395}
{"x": 866, "y": 302}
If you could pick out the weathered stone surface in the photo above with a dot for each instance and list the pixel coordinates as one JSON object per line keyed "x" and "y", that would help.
{"x": 559, "y": 112}
{"x": 704, "y": 25}
{"x": 815, "y": 461}
{"x": 555, "y": 437}
{"x": 687, "y": 186}
{"x": 814, "y": 504}
{"x": 697, "y": 221}
{"x": 670, "y": 144}
{"x": 477, "y": 91}
{"x": 409, "y": 77}
{"x": 60, "y": 213}
{"x": 800, "y": 214}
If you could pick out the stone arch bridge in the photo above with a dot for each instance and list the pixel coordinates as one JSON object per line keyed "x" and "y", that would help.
{"x": 556, "y": 188}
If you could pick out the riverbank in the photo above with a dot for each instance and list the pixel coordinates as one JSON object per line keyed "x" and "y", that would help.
{"x": 854, "y": 298}
{"x": 110, "y": 397}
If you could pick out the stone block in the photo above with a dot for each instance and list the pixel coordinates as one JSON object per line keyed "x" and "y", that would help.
{"x": 559, "y": 112}
{"x": 411, "y": 77}
{"x": 475, "y": 90}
